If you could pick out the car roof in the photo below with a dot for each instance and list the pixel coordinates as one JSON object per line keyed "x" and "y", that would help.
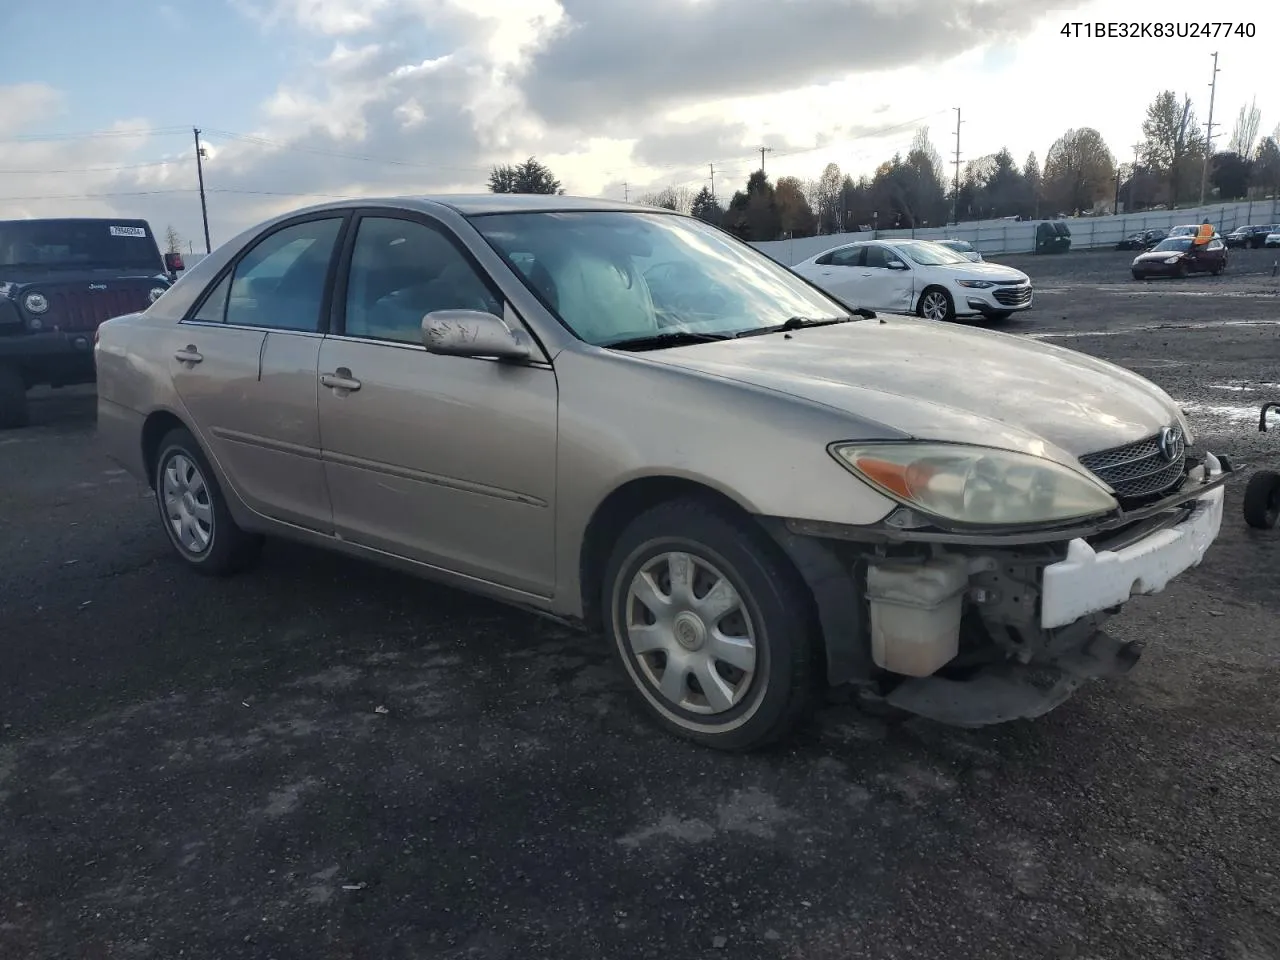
{"x": 480, "y": 204}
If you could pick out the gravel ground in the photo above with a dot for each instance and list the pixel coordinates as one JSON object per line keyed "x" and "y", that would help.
{"x": 202, "y": 769}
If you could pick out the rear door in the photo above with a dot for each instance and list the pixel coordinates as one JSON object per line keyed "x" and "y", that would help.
{"x": 244, "y": 365}
{"x": 840, "y": 272}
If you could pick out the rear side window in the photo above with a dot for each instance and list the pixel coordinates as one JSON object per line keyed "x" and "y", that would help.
{"x": 280, "y": 283}
{"x": 848, "y": 257}
{"x": 214, "y": 308}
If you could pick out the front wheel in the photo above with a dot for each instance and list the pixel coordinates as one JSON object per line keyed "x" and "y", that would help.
{"x": 1262, "y": 500}
{"x": 13, "y": 398}
{"x": 194, "y": 511}
{"x": 712, "y": 628}
{"x": 936, "y": 304}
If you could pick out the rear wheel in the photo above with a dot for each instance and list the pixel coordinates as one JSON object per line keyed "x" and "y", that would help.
{"x": 13, "y": 398}
{"x": 1262, "y": 500}
{"x": 936, "y": 304}
{"x": 712, "y": 628}
{"x": 194, "y": 511}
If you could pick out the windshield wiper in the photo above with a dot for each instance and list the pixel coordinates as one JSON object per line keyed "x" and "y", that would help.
{"x": 797, "y": 323}
{"x": 674, "y": 338}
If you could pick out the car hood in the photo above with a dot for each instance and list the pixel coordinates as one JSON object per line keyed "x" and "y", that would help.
{"x": 982, "y": 270}
{"x": 1155, "y": 256}
{"x": 934, "y": 381}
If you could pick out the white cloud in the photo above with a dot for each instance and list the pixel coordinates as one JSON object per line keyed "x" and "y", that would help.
{"x": 622, "y": 91}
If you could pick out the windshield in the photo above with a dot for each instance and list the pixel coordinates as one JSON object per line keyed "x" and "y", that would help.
{"x": 611, "y": 276}
{"x": 1174, "y": 243}
{"x": 959, "y": 245}
{"x": 78, "y": 243}
{"x": 929, "y": 254}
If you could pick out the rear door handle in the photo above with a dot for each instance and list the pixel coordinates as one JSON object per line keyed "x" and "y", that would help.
{"x": 340, "y": 379}
{"x": 189, "y": 354}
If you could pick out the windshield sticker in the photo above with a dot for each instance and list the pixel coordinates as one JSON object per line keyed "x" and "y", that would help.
{"x": 127, "y": 231}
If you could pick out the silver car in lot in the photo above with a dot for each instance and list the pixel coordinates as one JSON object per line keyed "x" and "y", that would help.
{"x": 628, "y": 420}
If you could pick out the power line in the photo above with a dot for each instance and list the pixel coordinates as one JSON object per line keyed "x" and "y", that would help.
{"x": 95, "y": 135}
{"x": 298, "y": 148}
{"x": 127, "y": 166}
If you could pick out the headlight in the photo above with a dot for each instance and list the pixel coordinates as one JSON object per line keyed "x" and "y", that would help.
{"x": 977, "y": 485}
{"x": 36, "y": 303}
{"x": 156, "y": 293}
{"x": 976, "y": 284}
{"x": 1172, "y": 259}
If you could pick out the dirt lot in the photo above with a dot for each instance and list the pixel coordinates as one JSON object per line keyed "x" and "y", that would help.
{"x": 198, "y": 769}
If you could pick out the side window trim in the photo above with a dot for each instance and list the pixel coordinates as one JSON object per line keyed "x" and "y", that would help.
{"x": 345, "y": 214}
{"x": 337, "y": 313}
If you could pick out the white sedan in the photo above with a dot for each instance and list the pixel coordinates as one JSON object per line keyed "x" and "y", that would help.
{"x": 917, "y": 276}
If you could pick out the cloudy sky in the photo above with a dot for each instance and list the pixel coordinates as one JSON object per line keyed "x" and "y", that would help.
{"x": 301, "y": 100}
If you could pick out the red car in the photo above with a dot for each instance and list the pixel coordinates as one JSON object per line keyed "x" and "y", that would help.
{"x": 1179, "y": 256}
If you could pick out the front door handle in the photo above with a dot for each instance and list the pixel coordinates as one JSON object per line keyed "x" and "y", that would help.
{"x": 188, "y": 354}
{"x": 340, "y": 379}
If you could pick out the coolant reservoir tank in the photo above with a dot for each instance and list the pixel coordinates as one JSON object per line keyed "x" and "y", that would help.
{"x": 915, "y": 613}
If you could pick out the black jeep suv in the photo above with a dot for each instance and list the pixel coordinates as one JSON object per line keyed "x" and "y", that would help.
{"x": 59, "y": 279}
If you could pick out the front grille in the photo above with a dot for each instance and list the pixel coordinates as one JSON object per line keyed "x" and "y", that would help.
{"x": 1013, "y": 296}
{"x": 77, "y": 310}
{"x": 1139, "y": 471}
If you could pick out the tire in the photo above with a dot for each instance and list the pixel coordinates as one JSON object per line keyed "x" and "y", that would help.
{"x": 1262, "y": 500}
{"x": 185, "y": 482}
{"x": 1180, "y": 271}
{"x": 765, "y": 686}
{"x": 14, "y": 412}
{"x": 934, "y": 295}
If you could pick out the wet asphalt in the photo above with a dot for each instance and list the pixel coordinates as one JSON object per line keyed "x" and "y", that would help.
{"x": 322, "y": 759}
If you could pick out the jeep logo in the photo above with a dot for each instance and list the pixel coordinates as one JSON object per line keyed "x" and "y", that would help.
{"x": 97, "y": 286}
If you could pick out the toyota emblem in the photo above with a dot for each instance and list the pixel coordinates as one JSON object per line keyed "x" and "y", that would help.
{"x": 1170, "y": 443}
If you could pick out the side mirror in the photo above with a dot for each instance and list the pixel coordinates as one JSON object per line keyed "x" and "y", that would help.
{"x": 173, "y": 263}
{"x": 471, "y": 333}
{"x": 896, "y": 265}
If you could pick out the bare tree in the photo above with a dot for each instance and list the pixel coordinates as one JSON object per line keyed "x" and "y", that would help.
{"x": 172, "y": 240}
{"x": 679, "y": 199}
{"x": 1244, "y": 135}
{"x": 923, "y": 149}
{"x": 826, "y": 198}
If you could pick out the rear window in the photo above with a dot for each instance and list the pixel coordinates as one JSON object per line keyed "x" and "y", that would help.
{"x": 123, "y": 245}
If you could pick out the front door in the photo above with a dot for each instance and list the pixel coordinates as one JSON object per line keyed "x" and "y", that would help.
{"x": 446, "y": 460}
{"x": 886, "y": 288}
{"x": 244, "y": 365}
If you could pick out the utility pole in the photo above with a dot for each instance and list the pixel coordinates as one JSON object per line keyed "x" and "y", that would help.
{"x": 204, "y": 209}
{"x": 713, "y": 181}
{"x": 955, "y": 190}
{"x": 763, "y": 151}
{"x": 1133, "y": 176}
{"x": 626, "y": 192}
{"x": 1208, "y": 140}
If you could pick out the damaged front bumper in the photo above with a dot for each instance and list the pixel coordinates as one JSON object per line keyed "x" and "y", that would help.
{"x": 974, "y": 627}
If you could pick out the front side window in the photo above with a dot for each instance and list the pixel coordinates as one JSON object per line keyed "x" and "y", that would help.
{"x": 280, "y": 282}
{"x": 613, "y": 276}
{"x": 401, "y": 270}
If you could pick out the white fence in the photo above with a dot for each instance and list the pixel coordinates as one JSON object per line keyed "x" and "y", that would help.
{"x": 995, "y": 237}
